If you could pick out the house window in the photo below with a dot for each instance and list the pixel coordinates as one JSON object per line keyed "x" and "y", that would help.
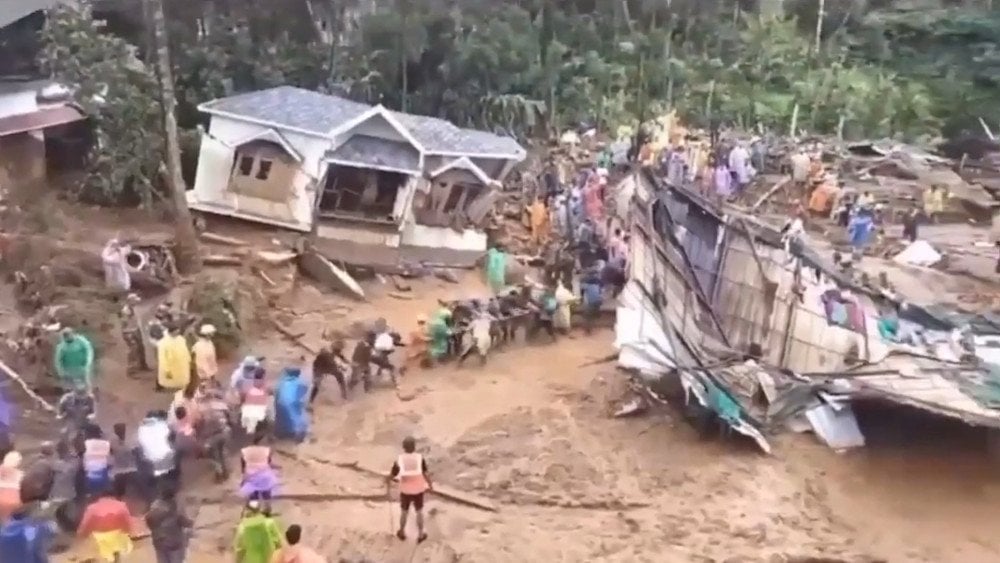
{"x": 264, "y": 170}
{"x": 360, "y": 193}
{"x": 246, "y": 165}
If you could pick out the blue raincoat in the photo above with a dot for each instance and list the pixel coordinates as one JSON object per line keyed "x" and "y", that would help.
{"x": 26, "y": 540}
{"x": 290, "y": 398}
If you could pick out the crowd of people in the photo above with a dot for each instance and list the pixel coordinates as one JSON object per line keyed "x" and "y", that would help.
{"x": 89, "y": 481}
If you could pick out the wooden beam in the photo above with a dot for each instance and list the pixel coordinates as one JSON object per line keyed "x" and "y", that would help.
{"x": 440, "y": 490}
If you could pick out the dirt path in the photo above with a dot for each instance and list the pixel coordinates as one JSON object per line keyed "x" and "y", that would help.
{"x": 531, "y": 432}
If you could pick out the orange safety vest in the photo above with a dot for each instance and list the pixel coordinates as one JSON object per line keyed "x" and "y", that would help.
{"x": 411, "y": 474}
{"x": 10, "y": 478}
{"x": 95, "y": 454}
{"x": 256, "y": 458}
{"x": 255, "y": 396}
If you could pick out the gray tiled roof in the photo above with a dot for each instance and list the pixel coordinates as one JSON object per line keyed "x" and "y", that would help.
{"x": 372, "y": 151}
{"x": 320, "y": 113}
{"x": 291, "y": 107}
{"x": 13, "y": 10}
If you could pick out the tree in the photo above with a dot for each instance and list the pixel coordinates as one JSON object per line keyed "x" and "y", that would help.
{"x": 118, "y": 92}
{"x": 187, "y": 253}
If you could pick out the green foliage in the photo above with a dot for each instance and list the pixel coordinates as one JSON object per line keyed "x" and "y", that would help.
{"x": 524, "y": 66}
{"x": 119, "y": 93}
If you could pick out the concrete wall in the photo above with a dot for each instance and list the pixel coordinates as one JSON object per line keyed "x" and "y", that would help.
{"x": 443, "y": 237}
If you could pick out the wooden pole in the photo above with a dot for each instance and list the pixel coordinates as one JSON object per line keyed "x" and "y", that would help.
{"x": 30, "y": 392}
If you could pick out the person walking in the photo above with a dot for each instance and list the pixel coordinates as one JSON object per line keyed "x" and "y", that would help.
{"x": 108, "y": 521}
{"x": 257, "y": 535}
{"x": 205, "y": 359}
{"x": 329, "y": 361}
{"x": 169, "y": 527}
{"x": 410, "y": 469}
{"x": 74, "y": 360}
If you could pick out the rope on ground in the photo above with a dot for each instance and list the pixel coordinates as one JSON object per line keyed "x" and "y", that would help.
{"x": 27, "y": 389}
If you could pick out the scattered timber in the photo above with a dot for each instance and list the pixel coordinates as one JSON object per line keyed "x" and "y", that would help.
{"x": 222, "y": 239}
{"x": 222, "y": 260}
{"x": 760, "y": 201}
{"x": 319, "y": 268}
{"x": 27, "y": 389}
{"x": 275, "y": 258}
{"x": 294, "y": 337}
{"x": 398, "y": 295}
{"x": 440, "y": 490}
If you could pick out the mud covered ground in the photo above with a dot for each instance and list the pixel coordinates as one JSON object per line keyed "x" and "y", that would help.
{"x": 531, "y": 432}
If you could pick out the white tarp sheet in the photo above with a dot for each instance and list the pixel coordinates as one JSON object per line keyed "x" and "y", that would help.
{"x": 641, "y": 342}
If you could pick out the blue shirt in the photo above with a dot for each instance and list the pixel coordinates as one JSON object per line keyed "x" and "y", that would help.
{"x": 591, "y": 294}
{"x": 25, "y": 540}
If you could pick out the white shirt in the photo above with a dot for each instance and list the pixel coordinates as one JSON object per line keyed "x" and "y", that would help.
{"x": 384, "y": 342}
{"x": 154, "y": 441}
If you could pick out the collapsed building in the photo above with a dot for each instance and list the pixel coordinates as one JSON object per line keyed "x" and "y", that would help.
{"x": 762, "y": 333}
{"x": 371, "y": 184}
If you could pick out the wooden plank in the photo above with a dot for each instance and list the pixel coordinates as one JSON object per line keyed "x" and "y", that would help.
{"x": 441, "y": 490}
{"x": 222, "y": 239}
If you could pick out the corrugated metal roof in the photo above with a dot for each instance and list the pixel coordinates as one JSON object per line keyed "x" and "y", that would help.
{"x": 288, "y": 106}
{"x": 41, "y": 119}
{"x": 368, "y": 151}
{"x": 13, "y": 10}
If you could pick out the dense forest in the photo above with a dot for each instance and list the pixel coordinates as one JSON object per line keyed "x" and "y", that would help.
{"x": 859, "y": 68}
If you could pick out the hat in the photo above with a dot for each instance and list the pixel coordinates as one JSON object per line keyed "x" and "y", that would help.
{"x": 249, "y": 363}
{"x": 207, "y": 330}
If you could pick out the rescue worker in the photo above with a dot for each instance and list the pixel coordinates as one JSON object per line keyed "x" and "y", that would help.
{"x": 214, "y": 433}
{"x": 417, "y": 353}
{"x": 10, "y": 485}
{"x": 205, "y": 359}
{"x": 74, "y": 360}
{"x": 479, "y": 337}
{"x": 410, "y": 470}
{"x": 96, "y": 461}
{"x": 173, "y": 360}
{"x": 75, "y": 409}
{"x": 361, "y": 360}
{"x": 329, "y": 361}
{"x": 158, "y": 456}
{"x": 123, "y": 458}
{"x": 108, "y": 522}
{"x": 257, "y": 535}
{"x": 259, "y": 476}
{"x": 253, "y": 408}
{"x": 169, "y": 527}
{"x": 384, "y": 345}
{"x": 132, "y": 334}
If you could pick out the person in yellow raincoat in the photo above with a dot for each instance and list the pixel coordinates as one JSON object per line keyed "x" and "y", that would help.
{"x": 173, "y": 361}
{"x": 934, "y": 203}
{"x": 538, "y": 215}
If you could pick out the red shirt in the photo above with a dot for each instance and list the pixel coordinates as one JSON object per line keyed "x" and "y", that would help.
{"x": 106, "y": 514}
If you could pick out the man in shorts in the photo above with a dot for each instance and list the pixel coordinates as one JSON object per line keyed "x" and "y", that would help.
{"x": 410, "y": 470}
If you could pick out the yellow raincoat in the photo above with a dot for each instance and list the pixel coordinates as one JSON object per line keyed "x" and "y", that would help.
{"x": 539, "y": 216}
{"x": 174, "y": 362}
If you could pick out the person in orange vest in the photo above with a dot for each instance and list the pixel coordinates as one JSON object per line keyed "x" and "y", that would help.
{"x": 253, "y": 411}
{"x": 96, "y": 461}
{"x": 259, "y": 476}
{"x": 11, "y": 475}
{"x": 410, "y": 470}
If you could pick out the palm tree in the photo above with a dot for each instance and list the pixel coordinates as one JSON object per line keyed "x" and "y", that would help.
{"x": 187, "y": 253}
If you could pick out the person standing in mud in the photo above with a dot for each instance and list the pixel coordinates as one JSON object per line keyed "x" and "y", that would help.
{"x": 410, "y": 469}
{"x": 329, "y": 361}
{"x": 74, "y": 360}
{"x": 132, "y": 334}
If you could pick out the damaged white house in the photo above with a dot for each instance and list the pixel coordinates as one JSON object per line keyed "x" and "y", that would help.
{"x": 371, "y": 183}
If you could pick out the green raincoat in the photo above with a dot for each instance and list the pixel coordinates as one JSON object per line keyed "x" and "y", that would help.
{"x": 496, "y": 270}
{"x": 74, "y": 361}
{"x": 257, "y": 538}
{"x": 439, "y": 334}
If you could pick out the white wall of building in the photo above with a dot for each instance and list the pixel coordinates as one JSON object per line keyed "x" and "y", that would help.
{"x": 442, "y": 237}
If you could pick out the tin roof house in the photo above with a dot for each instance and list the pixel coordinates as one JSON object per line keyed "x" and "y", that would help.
{"x": 372, "y": 184}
